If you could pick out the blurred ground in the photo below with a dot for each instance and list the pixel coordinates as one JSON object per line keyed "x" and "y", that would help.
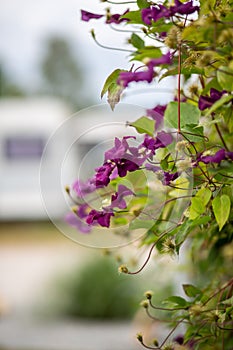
{"x": 31, "y": 254}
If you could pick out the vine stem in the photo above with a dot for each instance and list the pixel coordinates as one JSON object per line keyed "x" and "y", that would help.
{"x": 219, "y": 133}
{"x": 179, "y": 87}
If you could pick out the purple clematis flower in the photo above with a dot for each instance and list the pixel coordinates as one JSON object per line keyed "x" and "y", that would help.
{"x": 100, "y": 217}
{"x": 83, "y": 188}
{"x": 165, "y": 59}
{"x": 126, "y": 165}
{"x": 207, "y": 101}
{"x": 168, "y": 177}
{"x": 183, "y": 8}
{"x": 75, "y": 222}
{"x": 151, "y": 144}
{"x": 127, "y": 77}
{"x": 152, "y": 167}
{"x": 116, "y": 18}
{"x": 220, "y": 155}
{"x": 102, "y": 176}
{"x": 157, "y": 113}
{"x": 120, "y": 148}
{"x": 118, "y": 198}
{"x": 147, "y": 75}
{"x": 163, "y": 139}
{"x": 87, "y": 16}
{"x": 154, "y": 13}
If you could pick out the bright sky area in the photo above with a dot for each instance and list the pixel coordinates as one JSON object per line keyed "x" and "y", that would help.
{"x": 25, "y": 24}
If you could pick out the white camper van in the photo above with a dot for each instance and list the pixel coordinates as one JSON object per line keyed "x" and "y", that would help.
{"x": 43, "y": 148}
{"x": 25, "y": 127}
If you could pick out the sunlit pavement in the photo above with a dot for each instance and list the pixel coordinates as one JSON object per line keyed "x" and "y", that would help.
{"x": 28, "y": 334}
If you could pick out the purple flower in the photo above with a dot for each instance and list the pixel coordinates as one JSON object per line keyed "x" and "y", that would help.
{"x": 83, "y": 188}
{"x": 152, "y": 167}
{"x": 151, "y": 144}
{"x": 217, "y": 157}
{"x": 127, "y": 77}
{"x": 163, "y": 139}
{"x": 168, "y": 177}
{"x": 119, "y": 150}
{"x": 116, "y": 18}
{"x": 100, "y": 217}
{"x": 157, "y": 113}
{"x": 73, "y": 220}
{"x": 183, "y": 8}
{"x": 102, "y": 176}
{"x": 207, "y": 101}
{"x": 87, "y": 16}
{"x": 154, "y": 14}
{"x": 118, "y": 197}
{"x": 165, "y": 59}
{"x": 126, "y": 165}
{"x": 147, "y": 75}
{"x": 229, "y": 155}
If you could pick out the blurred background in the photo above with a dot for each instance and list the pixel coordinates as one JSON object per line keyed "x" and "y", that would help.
{"x": 54, "y": 293}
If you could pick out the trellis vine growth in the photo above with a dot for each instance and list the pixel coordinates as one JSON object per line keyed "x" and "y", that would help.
{"x": 186, "y": 149}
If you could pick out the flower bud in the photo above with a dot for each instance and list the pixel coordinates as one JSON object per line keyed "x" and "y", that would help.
{"x": 139, "y": 337}
{"x": 67, "y": 189}
{"x": 148, "y": 294}
{"x": 74, "y": 209}
{"x": 155, "y": 342}
{"x": 145, "y": 304}
{"x": 123, "y": 269}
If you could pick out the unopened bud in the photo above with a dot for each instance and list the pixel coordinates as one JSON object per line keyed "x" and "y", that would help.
{"x": 155, "y": 342}
{"x": 139, "y": 337}
{"x": 145, "y": 304}
{"x": 74, "y": 209}
{"x": 67, "y": 189}
{"x": 93, "y": 33}
{"x": 123, "y": 269}
{"x": 148, "y": 294}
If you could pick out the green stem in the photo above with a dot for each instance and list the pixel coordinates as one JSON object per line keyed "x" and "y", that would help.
{"x": 219, "y": 133}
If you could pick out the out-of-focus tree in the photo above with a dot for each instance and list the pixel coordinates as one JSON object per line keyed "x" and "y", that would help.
{"x": 8, "y": 88}
{"x": 62, "y": 73}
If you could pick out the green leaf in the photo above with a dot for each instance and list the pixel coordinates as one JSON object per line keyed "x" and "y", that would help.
{"x": 136, "y": 41}
{"x": 193, "y": 132}
{"x": 185, "y": 71}
{"x": 147, "y": 52}
{"x": 191, "y": 291}
{"x": 212, "y": 84}
{"x": 200, "y": 221}
{"x": 137, "y": 223}
{"x": 225, "y": 78}
{"x": 196, "y": 208}
{"x": 199, "y": 203}
{"x": 182, "y": 233}
{"x": 144, "y": 125}
{"x": 221, "y": 207}
{"x": 134, "y": 17}
{"x": 176, "y": 301}
{"x": 142, "y": 4}
{"x": 111, "y": 79}
{"x": 190, "y": 114}
{"x": 219, "y": 103}
{"x": 228, "y": 118}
